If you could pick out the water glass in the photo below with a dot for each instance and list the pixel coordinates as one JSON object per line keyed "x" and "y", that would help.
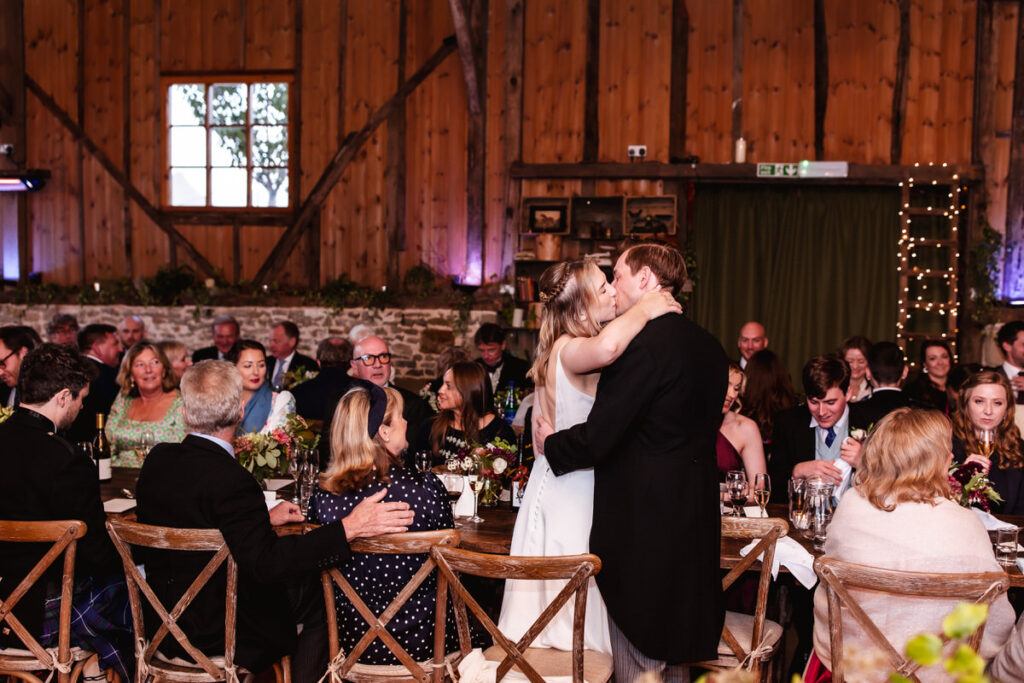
{"x": 1006, "y": 546}
{"x": 820, "y": 505}
{"x": 309, "y": 479}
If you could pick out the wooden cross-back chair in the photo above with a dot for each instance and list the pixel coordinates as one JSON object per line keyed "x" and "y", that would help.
{"x": 534, "y": 663}
{"x": 67, "y": 662}
{"x": 838, "y": 577}
{"x": 149, "y": 663}
{"x": 750, "y": 641}
{"x": 346, "y": 665}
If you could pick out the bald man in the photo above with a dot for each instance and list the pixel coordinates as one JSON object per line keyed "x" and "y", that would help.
{"x": 752, "y": 339}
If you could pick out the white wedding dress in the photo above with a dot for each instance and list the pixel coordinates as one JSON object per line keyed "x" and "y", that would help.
{"x": 555, "y": 519}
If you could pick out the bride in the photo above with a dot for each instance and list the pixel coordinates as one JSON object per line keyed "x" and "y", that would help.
{"x": 556, "y": 513}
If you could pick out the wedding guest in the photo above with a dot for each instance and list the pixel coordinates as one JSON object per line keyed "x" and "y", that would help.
{"x": 101, "y": 347}
{"x": 225, "y": 334}
{"x": 177, "y": 356}
{"x": 1011, "y": 342}
{"x": 855, "y": 352}
{"x": 768, "y": 391}
{"x": 752, "y": 338}
{"x": 888, "y": 370}
{"x": 148, "y": 410}
{"x": 316, "y": 396}
{"x": 929, "y": 389}
{"x": 45, "y": 479}
{"x": 284, "y": 358}
{"x": 132, "y": 331}
{"x": 986, "y": 404}
{"x": 62, "y": 329}
{"x": 502, "y": 367}
{"x": 739, "y": 440}
{"x": 15, "y": 343}
{"x": 371, "y": 360}
{"x": 899, "y": 516}
{"x": 265, "y": 409}
{"x": 467, "y": 415}
{"x": 445, "y": 359}
{"x": 957, "y": 376}
{"x": 368, "y": 436}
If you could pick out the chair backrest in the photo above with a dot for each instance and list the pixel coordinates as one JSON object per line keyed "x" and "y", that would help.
{"x": 838, "y": 577}
{"x": 577, "y": 569}
{"x": 767, "y": 532}
{"x": 412, "y": 543}
{"x": 64, "y": 535}
{"x": 124, "y": 534}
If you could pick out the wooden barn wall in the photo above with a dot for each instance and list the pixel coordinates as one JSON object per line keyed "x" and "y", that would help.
{"x": 87, "y": 54}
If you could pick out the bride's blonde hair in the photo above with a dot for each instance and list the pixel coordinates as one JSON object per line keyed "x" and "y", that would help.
{"x": 569, "y": 291}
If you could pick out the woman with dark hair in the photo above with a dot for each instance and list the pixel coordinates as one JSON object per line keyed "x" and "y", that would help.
{"x": 739, "y": 442}
{"x": 467, "y": 415}
{"x": 929, "y": 389}
{"x": 148, "y": 409}
{"x": 986, "y": 405}
{"x": 768, "y": 391}
{"x": 265, "y": 409}
{"x": 855, "y": 352}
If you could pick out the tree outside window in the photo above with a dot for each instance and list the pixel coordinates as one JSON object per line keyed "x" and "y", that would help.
{"x": 228, "y": 144}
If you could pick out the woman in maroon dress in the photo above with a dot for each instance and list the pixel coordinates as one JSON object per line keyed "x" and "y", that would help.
{"x": 739, "y": 440}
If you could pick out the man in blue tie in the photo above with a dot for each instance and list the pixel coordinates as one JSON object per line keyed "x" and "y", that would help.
{"x": 810, "y": 438}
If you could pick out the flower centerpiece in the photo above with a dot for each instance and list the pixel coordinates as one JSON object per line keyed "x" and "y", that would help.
{"x": 495, "y": 464}
{"x": 266, "y": 454}
{"x": 971, "y": 487}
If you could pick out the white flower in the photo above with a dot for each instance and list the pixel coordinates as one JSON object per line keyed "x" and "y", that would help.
{"x": 467, "y": 462}
{"x": 858, "y": 434}
{"x": 499, "y": 465}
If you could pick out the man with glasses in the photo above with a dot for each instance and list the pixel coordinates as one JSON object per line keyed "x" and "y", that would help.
{"x": 371, "y": 360}
{"x": 15, "y": 343}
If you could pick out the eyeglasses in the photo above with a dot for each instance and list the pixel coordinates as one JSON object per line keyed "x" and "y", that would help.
{"x": 368, "y": 358}
{"x": 3, "y": 361}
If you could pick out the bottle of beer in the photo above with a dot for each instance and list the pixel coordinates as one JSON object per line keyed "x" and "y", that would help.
{"x": 101, "y": 448}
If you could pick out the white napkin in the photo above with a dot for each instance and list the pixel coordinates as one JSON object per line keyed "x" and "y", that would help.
{"x": 754, "y": 511}
{"x": 990, "y": 522}
{"x": 798, "y": 561}
{"x": 847, "y": 480}
{"x": 464, "y": 505}
{"x": 118, "y": 505}
{"x": 275, "y": 484}
{"x": 475, "y": 669}
{"x": 271, "y": 499}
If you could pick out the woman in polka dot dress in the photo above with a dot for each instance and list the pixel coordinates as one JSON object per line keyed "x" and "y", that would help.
{"x": 367, "y": 440}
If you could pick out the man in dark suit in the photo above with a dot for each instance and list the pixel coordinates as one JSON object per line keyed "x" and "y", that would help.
{"x": 650, "y": 438}
{"x": 314, "y": 396}
{"x": 283, "y": 358}
{"x": 197, "y": 484}
{"x": 102, "y": 348}
{"x": 15, "y": 343}
{"x": 225, "y": 334}
{"x": 46, "y": 479}
{"x": 888, "y": 369}
{"x": 371, "y": 360}
{"x": 810, "y": 437}
{"x": 502, "y": 367}
{"x": 1011, "y": 342}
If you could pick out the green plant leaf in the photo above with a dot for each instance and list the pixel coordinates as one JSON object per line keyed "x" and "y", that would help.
{"x": 965, "y": 661}
{"x": 899, "y": 678}
{"x": 925, "y": 649}
{"x": 964, "y": 620}
{"x": 261, "y": 461}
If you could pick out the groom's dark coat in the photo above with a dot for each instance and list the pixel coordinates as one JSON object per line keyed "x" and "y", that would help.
{"x": 650, "y": 438}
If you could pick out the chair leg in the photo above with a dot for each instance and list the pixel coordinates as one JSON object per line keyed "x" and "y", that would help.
{"x": 283, "y": 670}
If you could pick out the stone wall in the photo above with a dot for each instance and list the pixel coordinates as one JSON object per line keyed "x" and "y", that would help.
{"x": 415, "y": 336}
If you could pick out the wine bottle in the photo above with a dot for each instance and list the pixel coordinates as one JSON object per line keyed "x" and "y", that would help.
{"x": 510, "y": 404}
{"x": 101, "y": 448}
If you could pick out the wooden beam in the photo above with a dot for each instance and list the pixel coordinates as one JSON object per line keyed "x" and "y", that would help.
{"x": 86, "y": 142}
{"x": 80, "y": 156}
{"x": 1013, "y": 284}
{"x": 737, "y": 70}
{"x": 820, "y": 78}
{"x": 126, "y": 135}
{"x": 591, "y": 84}
{"x": 476, "y": 153}
{"x": 295, "y": 105}
{"x": 678, "y": 81}
{"x": 227, "y": 217}
{"x": 396, "y": 167}
{"x": 983, "y": 116}
{"x": 342, "y": 158}
{"x": 514, "y": 39}
{"x": 467, "y": 55}
{"x": 899, "y": 91}
{"x": 342, "y": 61}
{"x": 236, "y": 252}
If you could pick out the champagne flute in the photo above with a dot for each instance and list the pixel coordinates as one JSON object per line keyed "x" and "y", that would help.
{"x": 736, "y": 484}
{"x": 762, "y": 490}
{"x": 476, "y": 482}
{"x": 987, "y": 438}
{"x": 294, "y": 470}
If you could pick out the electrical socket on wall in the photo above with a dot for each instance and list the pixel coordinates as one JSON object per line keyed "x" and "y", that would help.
{"x": 636, "y": 151}
{"x": 6, "y": 150}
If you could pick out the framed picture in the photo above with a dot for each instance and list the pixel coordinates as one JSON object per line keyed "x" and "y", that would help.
{"x": 550, "y": 219}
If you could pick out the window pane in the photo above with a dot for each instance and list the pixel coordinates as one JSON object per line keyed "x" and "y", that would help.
{"x": 188, "y": 187}
{"x": 227, "y": 187}
{"x": 270, "y": 187}
{"x": 188, "y": 146}
{"x": 269, "y": 146}
{"x": 269, "y": 102}
{"x": 228, "y": 103}
{"x": 227, "y": 146}
{"x": 187, "y": 102}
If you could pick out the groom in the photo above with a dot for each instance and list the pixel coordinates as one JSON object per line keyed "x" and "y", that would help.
{"x": 650, "y": 438}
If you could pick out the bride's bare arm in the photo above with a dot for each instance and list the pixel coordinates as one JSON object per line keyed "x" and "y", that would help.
{"x": 585, "y": 354}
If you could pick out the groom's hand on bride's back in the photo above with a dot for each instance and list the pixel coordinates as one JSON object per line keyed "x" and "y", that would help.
{"x": 541, "y": 430}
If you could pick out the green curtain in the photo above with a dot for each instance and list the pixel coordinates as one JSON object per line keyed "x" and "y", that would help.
{"x": 813, "y": 264}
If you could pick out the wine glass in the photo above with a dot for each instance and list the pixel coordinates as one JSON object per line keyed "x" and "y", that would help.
{"x": 736, "y": 484}
{"x": 295, "y": 465}
{"x": 762, "y": 490}
{"x": 476, "y": 482}
{"x": 85, "y": 448}
{"x": 309, "y": 477}
{"x": 454, "y": 485}
{"x": 421, "y": 459}
{"x": 987, "y": 438}
{"x": 147, "y": 441}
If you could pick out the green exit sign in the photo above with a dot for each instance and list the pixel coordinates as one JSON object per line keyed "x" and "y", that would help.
{"x": 778, "y": 171}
